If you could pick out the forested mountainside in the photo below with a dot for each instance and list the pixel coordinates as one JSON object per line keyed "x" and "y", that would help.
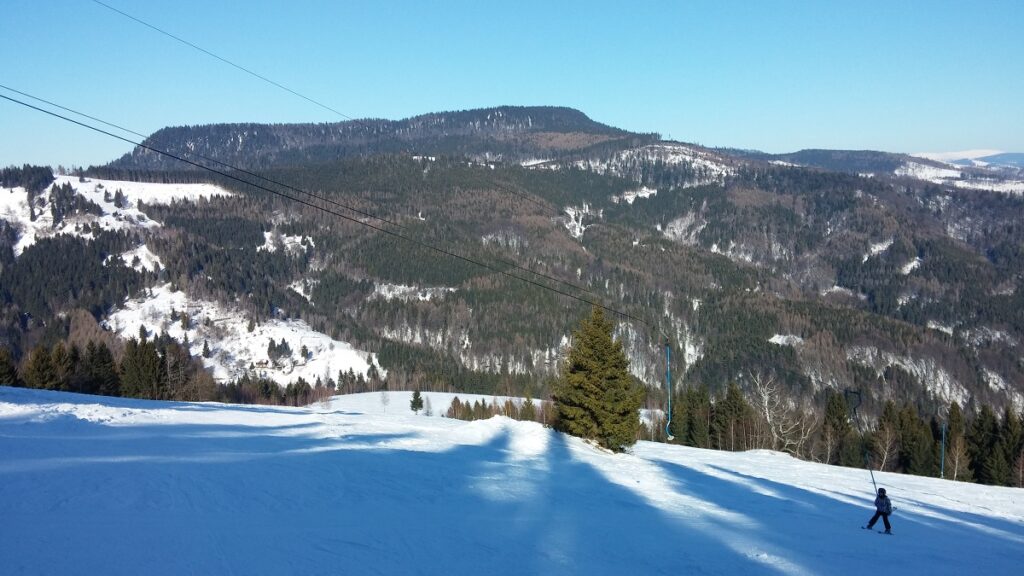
{"x": 509, "y": 133}
{"x": 868, "y": 273}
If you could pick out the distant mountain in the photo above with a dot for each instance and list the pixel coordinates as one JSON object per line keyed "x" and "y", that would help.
{"x": 898, "y": 275}
{"x": 1012, "y": 159}
{"x": 508, "y": 133}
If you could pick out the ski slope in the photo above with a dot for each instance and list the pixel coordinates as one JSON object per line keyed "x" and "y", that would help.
{"x": 92, "y": 485}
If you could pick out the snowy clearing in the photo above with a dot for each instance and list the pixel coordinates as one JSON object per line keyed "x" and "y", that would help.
{"x": 14, "y": 207}
{"x": 96, "y": 485}
{"x": 234, "y": 350}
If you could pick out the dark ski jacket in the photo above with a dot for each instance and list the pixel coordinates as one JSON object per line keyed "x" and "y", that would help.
{"x": 883, "y": 505}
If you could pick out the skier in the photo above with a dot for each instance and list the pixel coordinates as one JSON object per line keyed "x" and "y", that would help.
{"x": 883, "y": 507}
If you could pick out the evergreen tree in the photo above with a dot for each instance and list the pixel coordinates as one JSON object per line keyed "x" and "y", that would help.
{"x": 416, "y": 404}
{"x": 982, "y": 440}
{"x": 595, "y": 398}
{"x": 836, "y": 427}
{"x": 206, "y": 349}
{"x": 698, "y": 417}
{"x": 678, "y": 425}
{"x": 957, "y": 457}
{"x": 142, "y": 370}
{"x": 39, "y": 371}
{"x": 8, "y": 373}
{"x": 102, "y": 370}
{"x": 63, "y": 367}
{"x": 1012, "y": 438}
{"x": 528, "y": 411}
{"x": 732, "y": 419}
{"x": 917, "y": 444}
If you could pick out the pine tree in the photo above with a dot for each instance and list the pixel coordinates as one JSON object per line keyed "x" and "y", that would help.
{"x": 698, "y": 417}
{"x": 731, "y": 420}
{"x": 8, "y": 373}
{"x": 595, "y": 398}
{"x": 836, "y": 427}
{"x": 528, "y": 411}
{"x": 206, "y": 349}
{"x": 101, "y": 370}
{"x": 917, "y": 444}
{"x": 416, "y": 404}
{"x": 62, "y": 367}
{"x": 982, "y": 441}
{"x": 1012, "y": 438}
{"x": 957, "y": 458}
{"x": 39, "y": 371}
{"x": 678, "y": 425}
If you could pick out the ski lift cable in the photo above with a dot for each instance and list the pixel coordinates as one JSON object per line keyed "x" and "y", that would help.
{"x": 847, "y": 393}
{"x": 422, "y": 244}
{"x": 289, "y": 187}
{"x": 230, "y": 63}
{"x": 276, "y": 84}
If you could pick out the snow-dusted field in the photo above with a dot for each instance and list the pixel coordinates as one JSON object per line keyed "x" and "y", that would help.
{"x": 92, "y": 485}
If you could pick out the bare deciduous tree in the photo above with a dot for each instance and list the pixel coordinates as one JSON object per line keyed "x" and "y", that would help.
{"x": 886, "y": 445}
{"x": 787, "y": 427}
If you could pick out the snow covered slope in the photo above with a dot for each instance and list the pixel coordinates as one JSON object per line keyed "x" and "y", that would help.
{"x": 92, "y": 485}
{"x": 119, "y": 211}
{"x": 233, "y": 349}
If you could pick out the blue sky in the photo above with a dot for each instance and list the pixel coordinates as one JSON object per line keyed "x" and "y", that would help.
{"x": 774, "y": 76}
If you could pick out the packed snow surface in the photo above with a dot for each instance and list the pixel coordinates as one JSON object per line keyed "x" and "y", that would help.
{"x": 95, "y": 485}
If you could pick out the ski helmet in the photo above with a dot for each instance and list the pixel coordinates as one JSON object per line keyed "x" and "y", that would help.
{"x": 881, "y": 491}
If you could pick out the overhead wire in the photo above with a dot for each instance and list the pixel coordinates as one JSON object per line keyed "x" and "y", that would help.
{"x": 287, "y": 186}
{"x": 285, "y": 88}
{"x": 404, "y": 237}
{"x": 228, "y": 62}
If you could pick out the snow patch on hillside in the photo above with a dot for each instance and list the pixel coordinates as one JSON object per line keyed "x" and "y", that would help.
{"x": 506, "y": 239}
{"x": 14, "y": 207}
{"x": 927, "y": 371}
{"x": 928, "y": 173}
{"x": 304, "y": 288}
{"x": 685, "y": 228}
{"x": 235, "y": 350}
{"x": 910, "y": 266}
{"x": 706, "y": 166}
{"x": 630, "y": 196}
{"x": 933, "y": 325}
{"x": 145, "y": 192}
{"x": 877, "y": 248}
{"x": 293, "y": 245}
{"x": 575, "y": 217}
{"x": 534, "y": 162}
{"x": 1003, "y": 186}
{"x": 735, "y": 252}
{"x": 985, "y": 336}
{"x": 142, "y": 259}
{"x": 786, "y": 340}
{"x": 409, "y": 293}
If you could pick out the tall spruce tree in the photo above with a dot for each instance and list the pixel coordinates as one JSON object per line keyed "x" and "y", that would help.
{"x": 8, "y": 373}
{"x": 595, "y": 397}
{"x": 416, "y": 404}
{"x": 698, "y": 416}
{"x": 39, "y": 371}
{"x": 836, "y": 428}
